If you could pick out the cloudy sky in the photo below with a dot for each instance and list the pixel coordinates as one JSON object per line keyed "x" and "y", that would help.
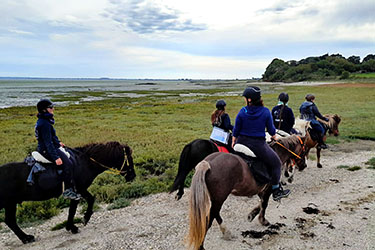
{"x": 176, "y": 38}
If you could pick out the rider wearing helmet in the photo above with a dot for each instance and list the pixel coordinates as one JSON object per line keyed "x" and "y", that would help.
{"x": 49, "y": 145}
{"x": 221, "y": 119}
{"x": 283, "y": 117}
{"x": 249, "y": 130}
{"x": 309, "y": 111}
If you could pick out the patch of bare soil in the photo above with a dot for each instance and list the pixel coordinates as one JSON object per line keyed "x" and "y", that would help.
{"x": 329, "y": 208}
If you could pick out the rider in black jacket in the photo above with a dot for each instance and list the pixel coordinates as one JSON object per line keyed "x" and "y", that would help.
{"x": 309, "y": 111}
{"x": 49, "y": 145}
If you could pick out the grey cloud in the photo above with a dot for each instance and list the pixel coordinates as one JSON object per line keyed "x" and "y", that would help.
{"x": 144, "y": 18}
{"x": 353, "y": 13}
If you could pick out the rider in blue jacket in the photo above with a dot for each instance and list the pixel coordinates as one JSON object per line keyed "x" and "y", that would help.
{"x": 49, "y": 145}
{"x": 309, "y": 111}
{"x": 283, "y": 117}
{"x": 249, "y": 130}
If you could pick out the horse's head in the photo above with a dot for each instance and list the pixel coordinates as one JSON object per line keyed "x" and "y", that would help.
{"x": 333, "y": 124}
{"x": 293, "y": 148}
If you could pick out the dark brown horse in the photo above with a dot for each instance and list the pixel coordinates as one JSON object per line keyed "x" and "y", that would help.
{"x": 92, "y": 160}
{"x": 221, "y": 174}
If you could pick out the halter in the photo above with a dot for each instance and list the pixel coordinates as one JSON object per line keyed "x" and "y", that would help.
{"x": 113, "y": 170}
{"x": 290, "y": 151}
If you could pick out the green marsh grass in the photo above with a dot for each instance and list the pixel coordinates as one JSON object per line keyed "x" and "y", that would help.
{"x": 158, "y": 126}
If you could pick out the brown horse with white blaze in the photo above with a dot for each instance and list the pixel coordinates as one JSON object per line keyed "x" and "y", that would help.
{"x": 222, "y": 174}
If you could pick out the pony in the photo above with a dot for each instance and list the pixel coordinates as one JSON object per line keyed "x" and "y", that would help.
{"x": 191, "y": 155}
{"x": 91, "y": 160}
{"x": 304, "y": 129}
{"x": 218, "y": 176}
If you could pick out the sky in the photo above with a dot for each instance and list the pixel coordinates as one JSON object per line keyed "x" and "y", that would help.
{"x": 174, "y": 39}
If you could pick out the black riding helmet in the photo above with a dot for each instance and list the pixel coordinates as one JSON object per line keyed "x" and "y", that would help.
{"x": 252, "y": 92}
{"x": 284, "y": 97}
{"x": 43, "y": 104}
{"x": 220, "y": 105}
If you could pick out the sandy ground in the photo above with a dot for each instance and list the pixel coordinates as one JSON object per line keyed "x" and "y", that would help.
{"x": 344, "y": 202}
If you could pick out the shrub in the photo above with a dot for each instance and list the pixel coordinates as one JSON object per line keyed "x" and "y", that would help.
{"x": 119, "y": 203}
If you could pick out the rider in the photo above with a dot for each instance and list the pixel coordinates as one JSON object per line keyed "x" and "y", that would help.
{"x": 221, "y": 120}
{"x": 49, "y": 145}
{"x": 309, "y": 111}
{"x": 283, "y": 117}
{"x": 249, "y": 129}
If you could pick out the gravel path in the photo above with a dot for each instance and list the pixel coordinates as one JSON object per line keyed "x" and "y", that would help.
{"x": 344, "y": 201}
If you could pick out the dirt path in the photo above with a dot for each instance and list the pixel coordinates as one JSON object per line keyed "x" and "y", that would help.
{"x": 344, "y": 202}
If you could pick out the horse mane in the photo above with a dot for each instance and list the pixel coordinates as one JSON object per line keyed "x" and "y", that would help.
{"x": 333, "y": 120}
{"x": 289, "y": 141}
{"x": 112, "y": 152}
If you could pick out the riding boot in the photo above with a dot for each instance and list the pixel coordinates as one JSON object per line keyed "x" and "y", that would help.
{"x": 279, "y": 192}
{"x": 321, "y": 144}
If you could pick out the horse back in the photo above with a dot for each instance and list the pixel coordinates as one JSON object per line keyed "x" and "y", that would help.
{"x": 13, "y": 185}
{"x": 231, "y": 173}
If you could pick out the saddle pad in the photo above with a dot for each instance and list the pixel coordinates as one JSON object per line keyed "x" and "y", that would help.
{"x": 39, "y": 158}
{"x": 243, "y": 149}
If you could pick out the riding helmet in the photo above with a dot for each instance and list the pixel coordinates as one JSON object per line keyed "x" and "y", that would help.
{"x": 309, "y": 97}
{"x": 284, "y": 97}
{"x": 220, "y": 104}
{"x": 43, "y": 104}
{"x": 252, "y": 92}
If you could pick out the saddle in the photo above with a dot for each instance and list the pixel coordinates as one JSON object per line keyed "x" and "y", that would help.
{"x": 257, "y": 168}
{"x": 43, "y": 172}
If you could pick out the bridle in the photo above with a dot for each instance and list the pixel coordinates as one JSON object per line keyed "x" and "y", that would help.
{"x": 299, "y": 156}
{"x": 114, "y": 170}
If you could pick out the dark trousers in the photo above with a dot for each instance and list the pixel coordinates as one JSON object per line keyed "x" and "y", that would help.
{"x": 265, "y": 153}
{"x": 67, "y": 167}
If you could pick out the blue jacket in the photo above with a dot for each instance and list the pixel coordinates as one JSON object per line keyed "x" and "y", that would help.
{"x": 286, "y": 120}
{"x": 225, "y": 123}
{"x": 45, "y": 133}
{"x": 309, "y": 111}
{"x": 252, "y": 121}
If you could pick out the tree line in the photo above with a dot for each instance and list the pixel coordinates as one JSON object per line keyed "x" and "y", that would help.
{"x": 327, "y": 66}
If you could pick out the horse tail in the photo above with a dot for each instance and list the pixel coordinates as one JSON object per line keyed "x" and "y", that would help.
{"x": 200, "y": 205}
{"x": 182, "y": 168}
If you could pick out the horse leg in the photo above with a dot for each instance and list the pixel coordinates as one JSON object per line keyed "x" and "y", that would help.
{"x": 264, "y": 198}
{"x": 10, "y": 220}
{"x": 318, "y": 158}
{"x": 215, "y": 214}
{"x": 72, "y": 211}
{"x": 253, "y": 213}
{"x": 90, "y": 204}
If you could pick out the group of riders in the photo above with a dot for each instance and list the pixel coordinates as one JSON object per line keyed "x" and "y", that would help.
{"x": 249, "y": 130}
{"x": 254, "y": 119}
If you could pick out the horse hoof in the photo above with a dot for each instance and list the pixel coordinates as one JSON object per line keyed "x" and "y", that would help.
{"x": 319, "y": 165}
{"x": 72, "y": 229}
{"x": 250, "y": 217}
{"x": 28, "y": 239}
{"x": 178, "y": 197}
{"x": 264, "y": 222}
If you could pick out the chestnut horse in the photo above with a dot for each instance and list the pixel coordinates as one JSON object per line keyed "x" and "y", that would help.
{"x": 221, "y": 174}
{"x": 332, "y": 126}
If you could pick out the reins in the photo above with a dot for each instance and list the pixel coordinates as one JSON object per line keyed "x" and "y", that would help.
{"x": 113, "y": 170}
{"x": 290, "y": 151}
